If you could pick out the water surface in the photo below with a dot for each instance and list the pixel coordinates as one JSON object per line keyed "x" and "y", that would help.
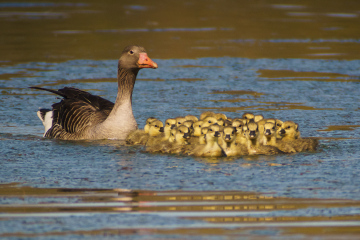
{"x": 297, "y": 61}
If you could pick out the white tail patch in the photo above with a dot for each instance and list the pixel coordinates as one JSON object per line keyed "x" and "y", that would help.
{"x": 46, "y": 117}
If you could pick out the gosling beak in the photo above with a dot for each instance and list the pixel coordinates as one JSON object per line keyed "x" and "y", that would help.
{"x": 267, "y": 132}
{"x": 173, "y": 126}
{"x": 146, "y": 62}
{"x": 217, "y": 134}
{"x": 162, "y": 129}
{"x": 252, "y": 134}
{"x": 282, "y": 131}
{"x": 186, "y": 135}
{"x": 227, "y": 137}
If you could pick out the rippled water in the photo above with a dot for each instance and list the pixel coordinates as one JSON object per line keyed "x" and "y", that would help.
{"x": 293, "y": 62}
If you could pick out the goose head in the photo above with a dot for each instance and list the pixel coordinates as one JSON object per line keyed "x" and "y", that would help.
{"x": 135, "y": 57}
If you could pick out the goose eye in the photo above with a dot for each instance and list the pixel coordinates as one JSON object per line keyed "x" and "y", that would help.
{"x": 180, "y": 131}
{"x": 210, "y": 130}
{"x": 209, "y": 121}
{"x": 131, "y": 52}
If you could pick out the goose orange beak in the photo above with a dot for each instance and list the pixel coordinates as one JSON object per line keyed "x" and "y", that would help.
{"x": 146, "y": 62}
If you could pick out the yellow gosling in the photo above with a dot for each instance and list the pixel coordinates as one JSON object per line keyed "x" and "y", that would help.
{"x": 206, "y": 114}
{"x": 219, "y": 116}
{"x": 196, "y": 132}
{"x": 191, "y": 118}
{"x": 180, "y": 121}
{"x": 211, "y": 148}
{"x": 228, "y": 143}
{"x": 155, "y": 133}
{"x": 290, "y": 134}
{"x": 270, "y": 139}
{"x": 140, "y": 136}
{"x": 258, "y": 117}
{"x": 253, "y": 146}
{"x": 181, "y": 138}
{"x": 248, "y": 117}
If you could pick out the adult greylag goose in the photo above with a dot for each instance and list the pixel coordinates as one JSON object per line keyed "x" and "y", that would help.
{"x": 81, "y": 115}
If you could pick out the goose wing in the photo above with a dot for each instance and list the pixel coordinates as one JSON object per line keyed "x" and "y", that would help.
{"x": 76, "y": 111}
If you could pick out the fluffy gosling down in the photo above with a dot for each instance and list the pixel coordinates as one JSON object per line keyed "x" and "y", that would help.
{"x": 215, "y": 135}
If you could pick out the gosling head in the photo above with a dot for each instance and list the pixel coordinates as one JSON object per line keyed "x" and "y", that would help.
{"x": 219, "y": 116}
{"x": 213, "y": 133}
{"x": 249, "y": 117}
{"x": 258, "y": 117}
{"x": 170, "y": 123}
{"x": 208, "y": 121}
{"x": 206, "y": 114}
{"x": 180, "y": 121}
{"x": 229, "y": 134}
{"x": 197, "y": 128}
{"x": 289, "y": 130}
{"x": 182, "y": 134}
{"x": 156, "y": 128}
{"x": 269, "y": 129}
{"x": 252, "y": 131}
{"x": 191, "y": 118}
{"x": 147, "y": 124}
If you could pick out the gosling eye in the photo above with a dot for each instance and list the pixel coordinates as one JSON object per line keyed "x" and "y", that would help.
{"x": 131, "y": 52}
{"x": 179, "y": 122}
{"x": 288, "y": 127}
{"x": 210, "y": 130}
{"x": 168, "y": 124}
{"x": 209, "y": 121}
{"x": 180, "y": 131}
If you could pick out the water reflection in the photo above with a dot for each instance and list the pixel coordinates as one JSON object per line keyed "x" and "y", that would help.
{"x": 243, "y": 209}
{"x": 70, "y": 29}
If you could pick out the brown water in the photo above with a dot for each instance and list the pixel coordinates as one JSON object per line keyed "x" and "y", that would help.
{"x": 52, "y": 32}
{"x": 295, "y": 60}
